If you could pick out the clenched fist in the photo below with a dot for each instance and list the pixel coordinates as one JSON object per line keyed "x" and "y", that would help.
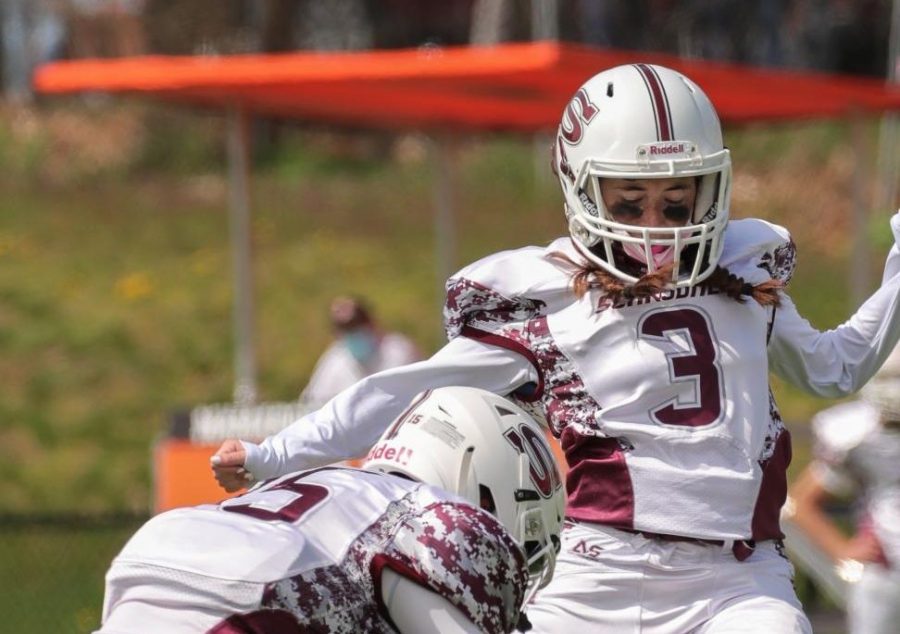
{"x": 228, "y": 466}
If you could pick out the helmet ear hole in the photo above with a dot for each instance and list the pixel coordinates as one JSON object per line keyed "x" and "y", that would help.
{"x": 487, "y": 499}
{"x": 526, "y": 495}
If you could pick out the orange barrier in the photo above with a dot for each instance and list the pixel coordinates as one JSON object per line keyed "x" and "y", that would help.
{"x": 182, "y": 475}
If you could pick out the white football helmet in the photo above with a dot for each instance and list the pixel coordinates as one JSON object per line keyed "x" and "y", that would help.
{"x": 643, "y": 121}
{"x": 487, "y": 450}
{"x": 883, "y": 389}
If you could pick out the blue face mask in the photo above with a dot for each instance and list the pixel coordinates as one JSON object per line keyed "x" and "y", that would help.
{"x": 361, "y": 344}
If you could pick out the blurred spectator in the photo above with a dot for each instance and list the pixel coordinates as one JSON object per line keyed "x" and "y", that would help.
{"x": 361, "y": 348}
{"x": 857, "y": 456}
{"x": 859, "y": 30}
{"x": 33, "y": 32}
{"x": 848, "y": 36}
{"x": 845, "y": 36}
{"x": 106, "y": 28}
{"x": 491, "y": 22}
{"x": 766, "y": 33}
{"x": 412, "y": 23}
{"x": 335, "y": 25}
{"x": 608, "y": 23}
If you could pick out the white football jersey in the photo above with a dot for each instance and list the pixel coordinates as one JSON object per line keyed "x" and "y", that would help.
{"x": 662, "y": 405}
{"x": 858, "y": 456}
{"x": 318, "y": 540}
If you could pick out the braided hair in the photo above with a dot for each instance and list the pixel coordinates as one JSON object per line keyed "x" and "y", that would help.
{"x": 588, "y": 276}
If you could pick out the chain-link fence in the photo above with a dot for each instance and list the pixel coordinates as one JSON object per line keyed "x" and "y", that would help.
{"x": 52, "y": 569}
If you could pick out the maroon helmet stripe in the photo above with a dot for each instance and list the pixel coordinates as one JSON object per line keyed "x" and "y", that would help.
{"x": 392, "y": 431}
{"x": 660, "y": 102}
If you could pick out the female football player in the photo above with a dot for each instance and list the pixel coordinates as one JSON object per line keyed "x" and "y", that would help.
{"x": 645, "y": 337}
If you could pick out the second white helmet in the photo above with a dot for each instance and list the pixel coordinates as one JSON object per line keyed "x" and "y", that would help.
{"x": 487, "y": 450}
{"x": 643, "y": 121}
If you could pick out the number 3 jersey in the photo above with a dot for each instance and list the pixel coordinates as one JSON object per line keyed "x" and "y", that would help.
{"x": 315, "y": 543}
{"x": 662, "y": 404}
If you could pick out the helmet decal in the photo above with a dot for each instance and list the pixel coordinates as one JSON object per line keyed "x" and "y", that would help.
{"x": 659, "y": 100}
{"x": 407, "y": 415}
{"x": 572, "y": 128}
{"x": 526, "y": 441}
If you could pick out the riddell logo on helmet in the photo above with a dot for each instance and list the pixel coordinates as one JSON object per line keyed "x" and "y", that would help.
{"x": 385, "y": 452}
{"x": 668, "y": 148}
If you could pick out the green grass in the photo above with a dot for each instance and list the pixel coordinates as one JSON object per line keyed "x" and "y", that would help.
{"x": 53, "y": 574}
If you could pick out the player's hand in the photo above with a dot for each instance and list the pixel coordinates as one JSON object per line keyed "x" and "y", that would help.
{"x": 228, "y": 466}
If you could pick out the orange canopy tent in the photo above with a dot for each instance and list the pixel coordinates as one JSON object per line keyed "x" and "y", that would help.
{"x": 512, "y": 87}
{"x": 520, "y": 88}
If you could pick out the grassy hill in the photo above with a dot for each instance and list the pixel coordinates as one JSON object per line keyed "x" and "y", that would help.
{"x": 115, "y": 278}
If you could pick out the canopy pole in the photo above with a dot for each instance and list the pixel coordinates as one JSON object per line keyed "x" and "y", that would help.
{"x": 443, "y": 167}
{"x": 544, "y": 27}
{"x": 239, "y": 229}
{"x": 861, "y": 261}
{"x": 889, "y": 138}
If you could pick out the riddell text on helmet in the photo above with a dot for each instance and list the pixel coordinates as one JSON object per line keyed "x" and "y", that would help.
{"x": 669, "y": 148}
{"x": 400, "y": 456}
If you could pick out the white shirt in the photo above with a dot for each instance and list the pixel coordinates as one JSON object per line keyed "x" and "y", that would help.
{"x": 337, "y": 369}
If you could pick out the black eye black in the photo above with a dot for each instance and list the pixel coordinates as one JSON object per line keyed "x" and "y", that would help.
{"x": 623, "y": 209}
{"x": 677, "y": 213}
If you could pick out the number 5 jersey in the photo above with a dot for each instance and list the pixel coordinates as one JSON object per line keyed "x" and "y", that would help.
{"x": 304, "y": 552}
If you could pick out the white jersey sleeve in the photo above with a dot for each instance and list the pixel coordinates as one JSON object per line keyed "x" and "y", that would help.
{"x": 350, "y": 423}
{"x": 839, "y": 361}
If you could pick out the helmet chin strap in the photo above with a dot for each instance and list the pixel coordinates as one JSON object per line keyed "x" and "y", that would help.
{"x": 661, "y": 255}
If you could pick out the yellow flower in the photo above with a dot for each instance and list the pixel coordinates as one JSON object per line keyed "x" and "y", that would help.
{"x": 134, "y": 286}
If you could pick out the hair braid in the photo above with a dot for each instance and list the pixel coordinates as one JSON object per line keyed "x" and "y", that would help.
{"x": 588, "y": 275}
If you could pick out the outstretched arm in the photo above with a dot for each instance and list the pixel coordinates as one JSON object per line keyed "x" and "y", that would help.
{"x": 838, "y": 362}
{"x": 350, "y": 423}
